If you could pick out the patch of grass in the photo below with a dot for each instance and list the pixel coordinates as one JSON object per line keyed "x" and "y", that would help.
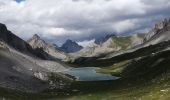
{"x": 115, "y": 69}
{"x": 123, "y": 42}
{"x": 155, "y": 89}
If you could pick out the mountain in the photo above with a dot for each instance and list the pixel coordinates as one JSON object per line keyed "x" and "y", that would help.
{"x": 70, "y": 47}
{"x": 160, "y": 33}
{"x": 141, "y": 62}
{"x": 19, "y": 44}
{"x": 111, "y": 44}
{"x": 156, "y": 40}
{"x": 126, "y": 42}
{"x": 144, "y": 69}
{"x": 53, "y": 50}
{"x": 24, "y": 68}
{"x": 103, "y": 39}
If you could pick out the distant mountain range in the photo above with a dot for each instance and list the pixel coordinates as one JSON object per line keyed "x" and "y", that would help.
{"x": 109, "y": 44}
{"x": 71, "y": 49}
{"x": 158, "y": 37}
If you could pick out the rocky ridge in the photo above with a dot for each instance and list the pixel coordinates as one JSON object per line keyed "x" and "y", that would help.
{"x": 71, "y": 46}
{"x": 53, "y": 50}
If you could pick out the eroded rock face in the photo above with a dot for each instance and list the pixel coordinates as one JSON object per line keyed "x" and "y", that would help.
{"x": 158, "y": 28}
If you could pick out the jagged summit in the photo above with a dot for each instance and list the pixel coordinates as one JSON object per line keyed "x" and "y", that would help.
{"x": 51, "y": 49}
{"x": 159, "y": 33}
{"x": 37, "y": 42}
{"x": 69, "y": 40}
{"x": 101, "y": 40}
{"x": 3, "y": 27}
{"x": 71, "y": 46}
{"x": 36, "y": 36}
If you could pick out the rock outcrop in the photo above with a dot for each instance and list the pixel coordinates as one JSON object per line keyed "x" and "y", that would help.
{"x": 160, "y": 33}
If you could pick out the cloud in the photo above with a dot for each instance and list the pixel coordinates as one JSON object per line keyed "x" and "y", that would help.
{"x": 58, "y": 20}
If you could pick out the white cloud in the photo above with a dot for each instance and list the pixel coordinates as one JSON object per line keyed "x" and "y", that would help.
{"x": 125, "y": 25}
{"x": 80, "y": 19}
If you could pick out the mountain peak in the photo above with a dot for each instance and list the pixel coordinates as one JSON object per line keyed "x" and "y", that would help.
{"x": 69, "y": 41}
{"x": 103, "y": 39}
{"x": 17, "y": 43}
{"x": 71, "y": 46}
{"x": 37, "y": 42}
{"x": 3, "y": 27}
{"x": 161, "y": 27}
{"x": 50, "y": 49}
{"x": 36, "y": 36}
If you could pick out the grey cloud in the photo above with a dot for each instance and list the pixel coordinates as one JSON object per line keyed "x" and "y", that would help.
{"x": 58, "y": 20}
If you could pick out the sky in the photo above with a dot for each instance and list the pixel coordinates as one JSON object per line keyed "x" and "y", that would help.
{"x": 81, "y": 20}
{"x": 19, "y": 1}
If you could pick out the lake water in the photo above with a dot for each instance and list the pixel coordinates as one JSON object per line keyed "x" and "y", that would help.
{"x": 89, "y": 74}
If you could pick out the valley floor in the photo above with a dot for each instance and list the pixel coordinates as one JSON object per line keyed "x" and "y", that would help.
{"x": 155, "y": 89}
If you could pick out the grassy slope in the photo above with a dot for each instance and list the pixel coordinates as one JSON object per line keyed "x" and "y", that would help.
{"x": 115, "y": 69}
{"x": 156, "y": 89}
{"x": 147, "y": 78}
{"x": 143, "y": 78}
{"x": 126, "y": 56}
{"x": 123, "y": 42}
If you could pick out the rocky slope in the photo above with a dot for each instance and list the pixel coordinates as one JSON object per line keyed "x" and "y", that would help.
{"x": 18, "y": 73}
{"x": 53, "y": 50}
{"x": 160, "y": 33}
{"x": 146, "y": 77}
{"x": 19, "y": 44}
{"x": 103, "y": 39}
{"x": 154, "y": 41}
{"x": 22, "y": 67}
{"x": 70, "y": 47}
{"x": 112, "y": 44}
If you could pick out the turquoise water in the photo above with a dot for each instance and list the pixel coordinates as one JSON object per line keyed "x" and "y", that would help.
{"x": 89, "y": 74}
